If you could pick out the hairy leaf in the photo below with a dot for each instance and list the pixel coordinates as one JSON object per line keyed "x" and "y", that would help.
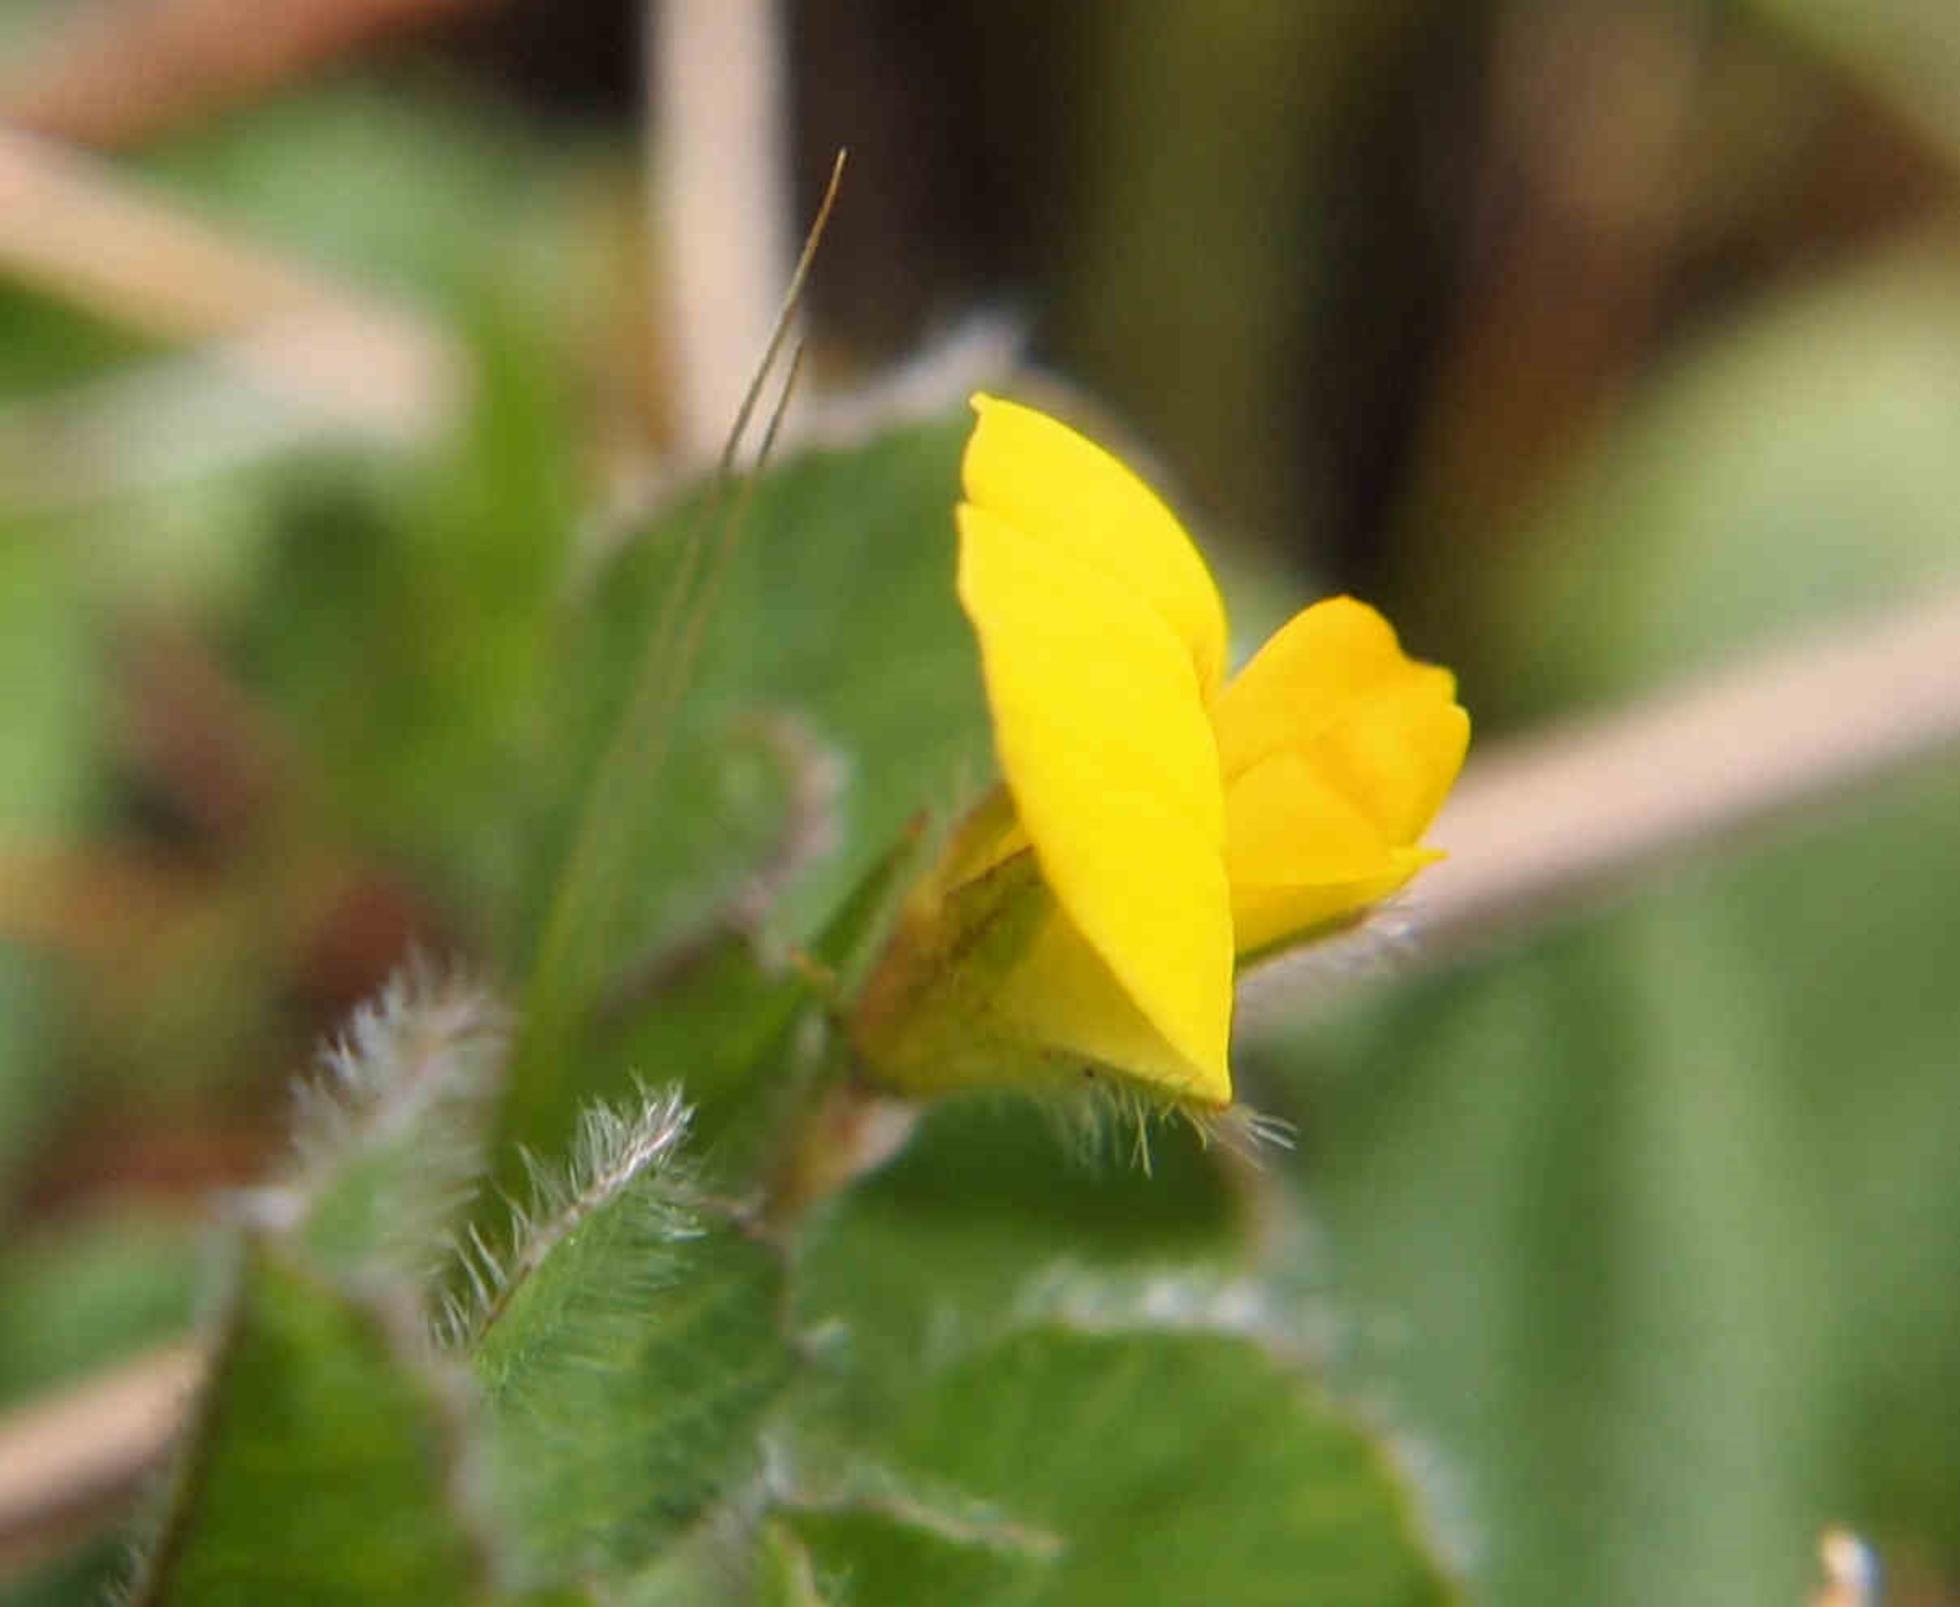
{"x": 627, "y": 1353}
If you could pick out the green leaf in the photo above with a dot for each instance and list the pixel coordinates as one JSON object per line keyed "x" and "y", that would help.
{"x": 867, "y": 1554}
{"x": 1136, "y": 1466}
{"x": 627, "y": 1353}
{"x": 321, "y": 1467}
{"x": 881, "y": 675}
{"x": 838, "y": 607}
{"x": 990, "y": 1205}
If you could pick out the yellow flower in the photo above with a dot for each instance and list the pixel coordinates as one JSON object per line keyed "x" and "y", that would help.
{"x": 1158, "y": 820}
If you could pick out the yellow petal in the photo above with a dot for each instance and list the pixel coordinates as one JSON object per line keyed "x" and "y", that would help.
{"x": 1337, "y": 751}
{"x": 1066, "y": 492}
{"x": 1266, "y": 915}
{"x": 1302, "y": 680}
{"x": 1106, "y": 748}
{"x": 1395, "y": 752}
{"x": 1300, "y": 853}
{"x": 1287, "y": 825}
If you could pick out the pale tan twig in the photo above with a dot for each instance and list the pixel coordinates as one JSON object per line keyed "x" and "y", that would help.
{"x": 69, "y": 1462}
{"x": 74, "y": 227}
{"x": 116, "y": 72}
{"x": 719, "y": 200}
{"x": 1544, "y": 824}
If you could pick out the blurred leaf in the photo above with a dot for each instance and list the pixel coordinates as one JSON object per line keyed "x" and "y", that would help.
{"x": 91, "y": 1294}
{"x": 1130, "y": 1467}
{"x": 320, "y": 1468}
{"x": 30, "y": 1095}
{"x": 1798, "y": 467}
{"x": 1655, "y": 1202}
{"x": 48, "y": 667}
{"x": 627, "y": 1354}
{"x": 1664, "y": 1213}
{"x": 403, "y": 619}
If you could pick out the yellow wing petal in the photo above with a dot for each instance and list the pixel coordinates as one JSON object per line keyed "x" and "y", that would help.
{"x": 1105, "y": 745}
{"x": 1287, "y": 825}
{"x": 1301, "y": 853}
{"x": 1306, "y": 675}
{"x": 1337, "y": 749}
{"x": 1395, "y": 752}
{"x": 1064, "y": 491}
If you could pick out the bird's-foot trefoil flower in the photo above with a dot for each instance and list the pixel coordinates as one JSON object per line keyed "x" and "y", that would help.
{"x": 1157, "y": 823}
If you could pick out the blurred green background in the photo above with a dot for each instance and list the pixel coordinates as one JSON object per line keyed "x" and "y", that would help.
{"x": 1601, "y": 345}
